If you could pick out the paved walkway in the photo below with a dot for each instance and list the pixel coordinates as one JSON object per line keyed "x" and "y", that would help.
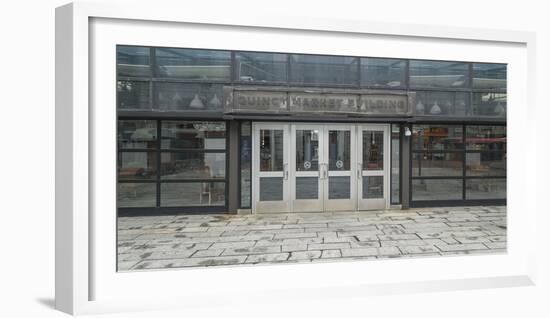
{"x": 157, "y": 242}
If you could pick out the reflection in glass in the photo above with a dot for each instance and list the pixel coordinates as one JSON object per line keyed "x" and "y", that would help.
{"x": 437, "y": 164}
{"x": 442, "y": 103}
{"x": 193, "y": 135}
{"x": 373, "y": 150}
{"x": 132, "y": 195}
{"x": 378, "y": 72}
{"x": 436, "y": 189}
{"x": 271, "y": 188}
{"x": 133, "y": 95}
{"x": 246, "y": 163}
{"x": 189, "y": 97}
{"x": 193, "y": 64}
{"x": 192, "y": 194}
{"x": 137, "y": 134}
{"x": 192, "y": 165}
{"x": 260, "y": 67}
{"x": 489, "y": 75}
{"x": 307, "y": 150}
{"x": 137, "y": 165}
{"x": 323, "y": 70}
{"x": 271, "y": 150}
{"x": 438, "y": 74}
{"x": 307, "y": 188}
{"x": 373, "y": 187}
{"x": 339, "y": 187}
{"x": 339, "y": 150}
{"x": 486, "y": 164}
{"x": 437, "y": 137}
{"x": 395, "y": 168}
{"x": 485, "y": 189}
{"x": 486, "y": 138}
{"x": 489, "y": 104}
{"x": 133, "y": 61}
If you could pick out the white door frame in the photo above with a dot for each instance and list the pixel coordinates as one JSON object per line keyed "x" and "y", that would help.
{"x": 270, "y": 206}
{"x": 378, "y": 203}
{"x": 306, "y": 205}
{"x": 340, "y": 204}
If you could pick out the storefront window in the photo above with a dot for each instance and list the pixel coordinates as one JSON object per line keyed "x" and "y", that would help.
{"x": 441, "y": 165}
{"x": 189, "y": 97}
{"x": 395, "y": 164}
{"x": 489, "y": 76}
{"x": 260, "y": 67}
{"x": 437, "y": 74}
{"x": 383, "y": 73}
{"x": 133, "y": 61}
{"x": 192, "y": 64}
{"x": 323, "y": 70}
{"x": 246, "y": 163}
{"x": 133, "y": 95}
{"x": 442, "y": 103}
{"x": 489, "y": 104}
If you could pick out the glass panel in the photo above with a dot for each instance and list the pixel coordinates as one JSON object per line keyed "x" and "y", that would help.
{"x": 395, "y": 168}
{"x": 193, "y": 135}
{"x": 192, "y": 194}
{"x": 271, "y": 150}
{"x": 133, "y": 61}
{"x": 133, "y": 95}
{"x": 485, "y": 189}
{"x": 189, "y": 97}
{"x": 339, "y": 150}
{"x": 137, "y": 134}
{"x": 307, "y": 188}
{"x": 307, "y": 150}
{"x": 373, "y": 150}
{"x": 373, "y": 187}
{"x": 489, "y": 76}
{"x": 132, "y": 195}
{"x": 193, "y": 64}
{"x": 323, "y": 70}
{"x": 486, "y": 138}
{"x": 246, "y": 163}
{"x": 339, "y": 188}
{"x": 486, "y": 164}
{"x": 489, "y": 104}
{"x": 192, "y": 165}
{"x": 437, "y": 164}
{"x": 438, "y": 74}
{"x": 436, "y": 189}
{"x": 442, "y": 103}
{"x": 260, "y": 67}
{"x": 137, "y": 165}
{"x": 383, "y": 72}
{"x": 271, "y": 188}
{"x": 437, "y": 137}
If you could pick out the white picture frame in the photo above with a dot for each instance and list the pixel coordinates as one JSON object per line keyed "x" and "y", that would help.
{"x": 86, "y": 281}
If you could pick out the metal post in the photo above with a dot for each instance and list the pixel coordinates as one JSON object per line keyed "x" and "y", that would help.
{"x": 233, "y": 173}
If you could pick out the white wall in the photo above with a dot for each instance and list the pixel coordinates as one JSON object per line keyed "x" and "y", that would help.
{"x": 27, "y": 160}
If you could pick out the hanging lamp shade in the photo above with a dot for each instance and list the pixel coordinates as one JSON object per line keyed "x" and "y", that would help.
{"x": 419, "y": 108}
{"x": 196, "y": 102}
{"x": 215, "y": 102}
{"x": 435, "y": 110}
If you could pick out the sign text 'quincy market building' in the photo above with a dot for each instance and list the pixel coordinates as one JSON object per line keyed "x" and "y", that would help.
{"x": 312, "y": 101}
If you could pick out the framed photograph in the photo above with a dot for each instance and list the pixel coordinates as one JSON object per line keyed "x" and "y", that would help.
{"x": 215, "y": 159}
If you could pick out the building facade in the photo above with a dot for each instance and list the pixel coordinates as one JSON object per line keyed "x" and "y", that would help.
{"x": 231, "y": 131}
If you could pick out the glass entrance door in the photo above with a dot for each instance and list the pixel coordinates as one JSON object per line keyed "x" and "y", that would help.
{"x": 372, "y": 166}
{"x": 271, "y": 172}
{"x": 308, "y": 142}
{"x": 320, "y": 167}
{"x": 339, "y": 168}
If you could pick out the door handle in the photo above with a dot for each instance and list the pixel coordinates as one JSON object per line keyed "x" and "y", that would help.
{"x": 285, "y": 171}
{"x": 359, "y": 170}
{"x": 325, "y": 170}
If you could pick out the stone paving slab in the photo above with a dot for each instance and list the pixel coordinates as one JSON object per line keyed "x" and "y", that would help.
{"x": 162, "y": 242}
